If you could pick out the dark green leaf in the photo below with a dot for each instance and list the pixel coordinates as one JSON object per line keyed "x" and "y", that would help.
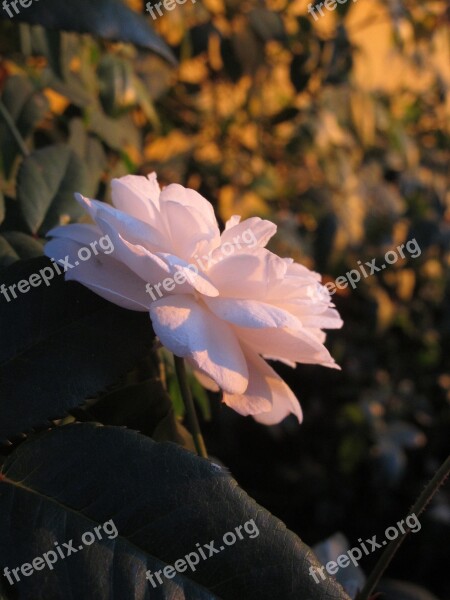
{"x": 141, "y": 404}
{"x": 72, "y": 90}
{"x": 15, "y": 245}
{"x": 26, "y": 106}
{"x": 59, "y": 344}
{"x": 8, "y": 255}
{"x": 47, "y": 42}
{"x": 155, "y": 74}
{"x": 46, "y": 184}
{"x": 162, "y": 502}
{"x": 90, "y": 150}
{"x": 116, "y": 79}
{"x": 115, "y": 132}
{"x": 13, "y": 220}
{"x": 109, "y": 19}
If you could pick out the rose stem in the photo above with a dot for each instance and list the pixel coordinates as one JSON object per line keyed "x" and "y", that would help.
{"x": 194, "y": 426}
{"x": 425, "y": 497}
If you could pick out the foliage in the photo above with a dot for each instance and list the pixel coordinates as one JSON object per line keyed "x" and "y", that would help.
{"x": 334, "y": 128}
{"x": 170, "y": 501}
{"x": 63, "y": 342}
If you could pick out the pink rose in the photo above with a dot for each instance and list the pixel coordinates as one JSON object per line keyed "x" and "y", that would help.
{"x": 222, "y": 301}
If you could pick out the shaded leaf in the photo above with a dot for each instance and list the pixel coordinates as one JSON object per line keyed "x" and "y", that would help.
{"x": 115, "y": 132}
{"x": 116, "y": 81}
{"x": 60, "y": 344}
{"x": 26, "y": 106}
{"x": 109, "y": 19}
{"x": 15, "y": 245}
{"x": 155, "y": 74}
{"x": 162, "y": 501}
{"x": 89, "y": 149}
{"x": 143, "y": 405}
{"x": 8, "y": 255}
{"x": 46, "y": 184}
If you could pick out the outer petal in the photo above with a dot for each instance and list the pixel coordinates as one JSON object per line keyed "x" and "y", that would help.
{"x": 137, "y": 196}
{"x": 232, "y": 221}
{"x": 147, "y": 266}
{"x": 188, "y": 329}
{"x": 191, "y": 199}
{"x": 284, "y": 405}
{"x": 304, "y": 300}
{"x": 203, "y": 379}
{"x": 249, "y": 233}
{"x": 246, "y": 276}
{"x": 190, "y": 220}
{"x": 268, "y": 399}
{"x": 190, "y": 230}
{"x": 194, "y": 280}
{"x": 102, "y": 274}
{"x": 78, "y": 232}
{"x": 320, "y": 335}
{"x": 131, "y": 228}
{"x": 286, "y": 344}
{"x": 298, "y": 270}
{"x": 328, "y": 319}
{"x": 301, "y": 290}
{"x": 154, "y": 268}
{"x": 251, "y": 313}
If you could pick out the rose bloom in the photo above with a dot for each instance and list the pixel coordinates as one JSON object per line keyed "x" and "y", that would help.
{"x": 221, "y": 300}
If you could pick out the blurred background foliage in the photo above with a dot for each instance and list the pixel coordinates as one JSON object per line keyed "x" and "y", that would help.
{"x": 337, "y": 129}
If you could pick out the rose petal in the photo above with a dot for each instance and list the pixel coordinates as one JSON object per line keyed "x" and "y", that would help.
{"x": 191, "y": 199}
{"x": 132, "y": 229}
{"x": 78, "y": 232}
{"x": 251, "y": 313}
{"x": 148, "y": 266}
{"x": 195, "y": 280}
{"x": 249, "y": 233}
{"x": 268, "y": 399}
{"x": 189, "y": 231}
{"x": 203, "y": 379}
{"x": 293, "y": 345}
{"x": 329, "y": 319}
{"x": 190, "y": 219}
{"x": 101, "y": 274}
{"x": 188, "y": 329}
{"x": 285, "y": 404}
{"x": 246, "y": 276}
{"x": 232, "y": 221}
{"x": 137, "y": 196}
